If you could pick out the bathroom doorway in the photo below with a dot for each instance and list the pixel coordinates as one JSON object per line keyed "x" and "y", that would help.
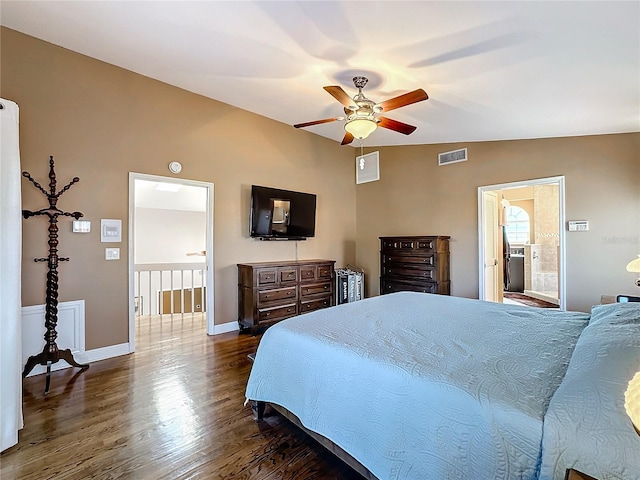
{"x": 530, "y": 245}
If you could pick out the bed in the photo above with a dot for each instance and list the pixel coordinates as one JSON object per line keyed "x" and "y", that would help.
{"x": 420, "y": 386}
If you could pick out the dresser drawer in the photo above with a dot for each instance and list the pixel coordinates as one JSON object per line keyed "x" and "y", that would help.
{"x": 325, "y": 272}
{"x": 311, "y": 305}
{"x": 277, "y": 294}
{"x": 409, "y": 245}
{"x": 267, "y": 277}
{"x": 424, "y": 273}
{"x": 277, "y": 313}
{"x": 308, "y": 272}
{"x": 314, "y": 289}
{"x": 389, "y": 286}
{"x": 428, "y": 260}
{"x": 288, "y": 275}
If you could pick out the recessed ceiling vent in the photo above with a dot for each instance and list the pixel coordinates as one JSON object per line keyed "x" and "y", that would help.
{"x": 454, "y": 156}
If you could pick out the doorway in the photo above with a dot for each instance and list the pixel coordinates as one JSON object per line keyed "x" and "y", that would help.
{"x": 522, "y": 241}
{"x": 170, "y": 249}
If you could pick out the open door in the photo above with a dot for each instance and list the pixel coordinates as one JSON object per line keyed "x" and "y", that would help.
{"x": 490, "y": 252}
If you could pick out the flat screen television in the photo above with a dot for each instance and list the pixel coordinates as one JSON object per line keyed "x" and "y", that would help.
{"x": 282, "y": 214}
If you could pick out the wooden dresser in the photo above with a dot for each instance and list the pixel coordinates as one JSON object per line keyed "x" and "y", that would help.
{"x": 414, "y": 263}
{"x": 272, "y": 291}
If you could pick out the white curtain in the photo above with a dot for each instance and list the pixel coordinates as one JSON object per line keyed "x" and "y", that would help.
{"x": 10, "y": 277}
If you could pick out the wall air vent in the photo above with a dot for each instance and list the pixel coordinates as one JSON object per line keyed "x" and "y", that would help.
{"x": 454, "y": 156}
{"x": 368, "y": 168}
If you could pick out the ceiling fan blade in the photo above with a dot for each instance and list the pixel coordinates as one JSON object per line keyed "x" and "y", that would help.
{"x": 348, "y": 138}
{"x": 317, "y": 122}
{"x": 396, "y": 126}
{"x": 339, "y": 94}
{"x": 403, "y": 100}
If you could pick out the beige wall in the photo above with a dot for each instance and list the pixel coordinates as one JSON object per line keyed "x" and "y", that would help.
{"x": 415, "y": 196}
{"x": 101, "y": 122}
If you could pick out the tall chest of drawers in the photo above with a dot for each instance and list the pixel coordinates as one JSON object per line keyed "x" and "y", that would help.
{"x": 272, "y": 291}
{"x": 414, "y": 263}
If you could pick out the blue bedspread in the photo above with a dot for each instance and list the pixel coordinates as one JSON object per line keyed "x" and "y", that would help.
{"x": 419, "y": 386}
{"x": 586, "y": 426}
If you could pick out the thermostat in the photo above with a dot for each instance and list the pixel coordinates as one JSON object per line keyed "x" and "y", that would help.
{"x": 110, "y": 230}
{"x": 578, "y": 225}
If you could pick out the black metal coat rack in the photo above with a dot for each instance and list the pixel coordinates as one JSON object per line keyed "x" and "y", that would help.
{"x": 51, "y": 354}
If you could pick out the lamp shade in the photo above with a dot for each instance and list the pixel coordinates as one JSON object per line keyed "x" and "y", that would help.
{"x": 360, "y": 127}
{"x": 634, "y": 265}
{"x": 632, "y": 401}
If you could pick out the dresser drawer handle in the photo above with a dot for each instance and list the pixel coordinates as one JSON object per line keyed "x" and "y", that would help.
{"x": 268, "y": 313}
{"x": 288, "y": 310}
{"x": 289, "y": 292}
{"x": 267, "y": 296}
{"x": 326, "y": 286}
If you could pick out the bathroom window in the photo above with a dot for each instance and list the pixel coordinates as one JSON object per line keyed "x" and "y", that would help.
{"x": 517, "y": 227}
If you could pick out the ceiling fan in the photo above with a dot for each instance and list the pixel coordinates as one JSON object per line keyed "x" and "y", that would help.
{"x": 362, "y": 114}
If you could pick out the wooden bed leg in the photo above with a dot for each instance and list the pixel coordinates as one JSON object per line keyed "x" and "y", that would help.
{"x": 258, "y": 410}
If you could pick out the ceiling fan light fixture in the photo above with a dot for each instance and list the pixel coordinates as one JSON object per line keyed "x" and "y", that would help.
{"x": 360, "y": 127}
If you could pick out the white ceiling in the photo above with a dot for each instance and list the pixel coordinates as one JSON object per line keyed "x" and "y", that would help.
{"x": 493, "y": 70}
{"x": 150, "y": 194}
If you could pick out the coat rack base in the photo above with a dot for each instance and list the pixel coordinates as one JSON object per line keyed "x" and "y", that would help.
{"x": 46, "y": 359}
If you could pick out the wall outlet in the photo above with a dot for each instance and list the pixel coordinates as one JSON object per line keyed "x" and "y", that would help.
{"x": 112, "y": 254}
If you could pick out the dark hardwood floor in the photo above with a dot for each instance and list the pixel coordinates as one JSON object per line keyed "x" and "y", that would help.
{"x": 528, "y": 301}
{"x": 172, "y": 410}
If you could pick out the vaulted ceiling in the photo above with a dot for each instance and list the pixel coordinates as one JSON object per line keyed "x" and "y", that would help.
{"x": 492, "y": 70}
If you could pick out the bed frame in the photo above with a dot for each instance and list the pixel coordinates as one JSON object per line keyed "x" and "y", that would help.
{"x": 259, "y": 411}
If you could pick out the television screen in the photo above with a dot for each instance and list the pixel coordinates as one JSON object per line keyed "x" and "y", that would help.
{"x": 282, "y": 214}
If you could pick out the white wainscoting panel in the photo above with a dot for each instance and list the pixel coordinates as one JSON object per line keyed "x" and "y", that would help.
{"x": 70, "y": 330}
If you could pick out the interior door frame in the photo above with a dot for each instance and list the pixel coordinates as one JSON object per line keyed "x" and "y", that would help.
{"x": 562, "y": 277}
{"x": 209, "y": 273}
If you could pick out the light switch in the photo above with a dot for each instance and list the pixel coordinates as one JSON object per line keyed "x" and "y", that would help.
{"x": 112, "y": 253}
{"x": 81, "y": 226}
